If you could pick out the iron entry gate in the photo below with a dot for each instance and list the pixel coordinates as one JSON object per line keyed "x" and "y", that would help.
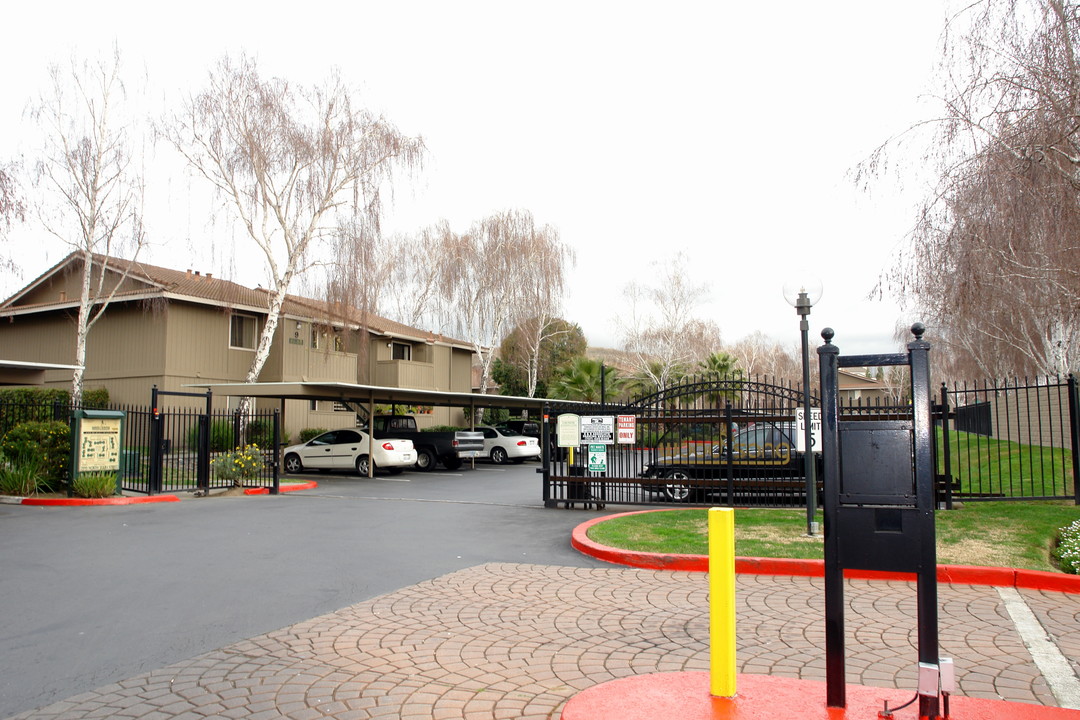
{"x": 733, "y": 441}
{"x": 173, "y": 450}
{"x": 712, "y": 440}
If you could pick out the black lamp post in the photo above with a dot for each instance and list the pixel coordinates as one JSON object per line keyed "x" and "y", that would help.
{"x": 802, "y": 295}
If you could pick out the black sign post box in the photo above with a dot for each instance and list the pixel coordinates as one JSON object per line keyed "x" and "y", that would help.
{"x": 878, "y": 485}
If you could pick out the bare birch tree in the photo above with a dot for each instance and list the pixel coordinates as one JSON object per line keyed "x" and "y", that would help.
{"x": 92, "y": 184}
{"x": 540, "y": 295}
{"x": 486, "y": 277}
{"x": 662, "y": 335}
{"x": 993, "y": 261}
{"x": 760, "y": 355}
{"x": 12, "y": 208}
{"x": 291, "y": 163}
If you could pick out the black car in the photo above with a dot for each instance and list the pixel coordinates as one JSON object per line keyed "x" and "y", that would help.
{"x": 763, "y": 451}
{"x": 525, "y": 427}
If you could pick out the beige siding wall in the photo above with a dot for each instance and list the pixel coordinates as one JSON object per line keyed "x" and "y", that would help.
{"x": 125, "y": 349}
{"x": 197, "y": 345}
{"x": 1032, "y": 416}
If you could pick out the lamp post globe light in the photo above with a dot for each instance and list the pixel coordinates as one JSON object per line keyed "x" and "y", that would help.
{"x": 803, "y": 294}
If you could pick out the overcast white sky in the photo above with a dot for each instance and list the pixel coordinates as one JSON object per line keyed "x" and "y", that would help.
{"x": 722, "y": 130}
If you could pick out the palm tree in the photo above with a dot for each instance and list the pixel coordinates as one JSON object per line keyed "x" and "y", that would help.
{"x": 725, "y": 368}
{"x": 581, "y": 379}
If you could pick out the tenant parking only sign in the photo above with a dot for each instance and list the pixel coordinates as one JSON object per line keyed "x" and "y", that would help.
{"x": 598, "y": 429}
{"x": 627, "y": 429}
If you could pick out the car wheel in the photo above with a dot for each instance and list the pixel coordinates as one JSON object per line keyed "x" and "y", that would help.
{"x": 498, "y": 455}
{"x": 677, "y": 491}
{"x": 452, "y": 463}
{"x": 362, "y": 465}
{"x": 293, "y": 464}
{"x": 425, "y": 459}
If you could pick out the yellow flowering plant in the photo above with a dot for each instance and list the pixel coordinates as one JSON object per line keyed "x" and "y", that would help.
{"x": 238, "y": 465}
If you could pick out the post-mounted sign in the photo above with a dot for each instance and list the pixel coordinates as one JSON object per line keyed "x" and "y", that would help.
{"x": 598, "y": 429}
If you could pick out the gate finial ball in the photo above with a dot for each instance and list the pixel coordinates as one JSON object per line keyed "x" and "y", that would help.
{"x": 827, "y": 335}
{"x": 917, "y": 330}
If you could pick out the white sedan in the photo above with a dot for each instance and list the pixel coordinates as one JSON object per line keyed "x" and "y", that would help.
{"x": 348, "y": 450}
{"x": 503, "y": 444}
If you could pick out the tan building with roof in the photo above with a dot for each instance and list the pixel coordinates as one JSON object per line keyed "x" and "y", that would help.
{"x": 173, "y": 328}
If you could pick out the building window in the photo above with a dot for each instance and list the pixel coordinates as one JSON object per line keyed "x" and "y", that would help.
{"x": 401, "y": 351}
{"x": 322, "y": 338}
{"x": 242, "y": 331}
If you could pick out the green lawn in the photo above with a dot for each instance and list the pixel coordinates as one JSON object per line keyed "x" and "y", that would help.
{"x": 1002, "y": 534}
{"x": 984, "y": 465}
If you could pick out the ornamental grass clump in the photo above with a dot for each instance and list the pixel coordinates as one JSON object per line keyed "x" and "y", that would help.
{"x": 1068, "y": 548}
{"x": 20, "y": 478}
{"x": 94, "y": 485}
{"x": 238, "y": 465}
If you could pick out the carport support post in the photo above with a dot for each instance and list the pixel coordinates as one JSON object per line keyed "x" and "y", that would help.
{"x": 371, "y": 435}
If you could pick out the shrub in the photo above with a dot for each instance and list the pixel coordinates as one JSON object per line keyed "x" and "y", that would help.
{"x": 20, "y": 405}
{"x": 239, "y": 465}
{"x": 1068, "y": 548}
{"x": 20, "y": 478}
{"x": 96, "y": 398}
{"x": 221, "y": 436}
{"x": 443, "y": 428}
{"x": 261, "y": 433}
{"x": 308, "y": 433}
{"x": 47, "y": 443}
{"x": 95, "y": 485}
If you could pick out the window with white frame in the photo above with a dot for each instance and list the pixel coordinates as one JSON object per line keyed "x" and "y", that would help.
{"x": 401, "y": 351}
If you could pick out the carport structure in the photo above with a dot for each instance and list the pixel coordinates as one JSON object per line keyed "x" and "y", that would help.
{"x": 366, "y": 396}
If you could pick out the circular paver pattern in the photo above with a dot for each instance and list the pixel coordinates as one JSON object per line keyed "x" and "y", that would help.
{"x": 517, "y": 641}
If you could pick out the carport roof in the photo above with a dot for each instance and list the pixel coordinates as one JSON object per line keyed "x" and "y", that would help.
{"x": 17, "y": 372}
{"x": 348, "y": 392}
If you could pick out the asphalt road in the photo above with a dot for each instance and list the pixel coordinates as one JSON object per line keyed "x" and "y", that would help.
{"x": 93, "y": 595}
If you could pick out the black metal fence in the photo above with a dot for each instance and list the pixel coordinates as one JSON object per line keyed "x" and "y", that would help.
{"x": 173, "y": 450}
{"x": 734, "y": 441}
{"x": 1011, "y": 439}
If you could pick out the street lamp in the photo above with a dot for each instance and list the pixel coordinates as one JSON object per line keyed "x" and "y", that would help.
{"x": 802, "y": 295}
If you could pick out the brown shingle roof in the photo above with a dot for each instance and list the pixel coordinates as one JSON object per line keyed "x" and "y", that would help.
{"x": 185, "y": 283}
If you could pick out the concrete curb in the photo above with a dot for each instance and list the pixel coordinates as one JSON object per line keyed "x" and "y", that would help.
{"x": 956, "y": 574}
{"x": 136, "y": 500}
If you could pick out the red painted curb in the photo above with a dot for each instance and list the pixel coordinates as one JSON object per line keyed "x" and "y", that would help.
{"x": 953, "y": 574}
{"x": 291, "y": 487}
{"x": 75, "y": 502}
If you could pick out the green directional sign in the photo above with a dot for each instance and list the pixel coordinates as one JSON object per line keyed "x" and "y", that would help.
{"x": 597, "y": 457}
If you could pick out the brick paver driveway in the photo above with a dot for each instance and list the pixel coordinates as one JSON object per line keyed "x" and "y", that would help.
{"x": 507, "y": 640}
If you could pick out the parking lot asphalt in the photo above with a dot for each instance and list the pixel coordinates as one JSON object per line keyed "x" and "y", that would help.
{"x": 452, "y": 595}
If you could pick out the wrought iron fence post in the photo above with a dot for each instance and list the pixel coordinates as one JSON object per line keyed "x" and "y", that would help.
{"x": 156, "y": 456}
{"x": 274, "y": 453}
{"x": 545, "y": 456}
{"x": 946, "y": 453}
{"x": 1074, "y": 435}
{"x": 202, "y": 453}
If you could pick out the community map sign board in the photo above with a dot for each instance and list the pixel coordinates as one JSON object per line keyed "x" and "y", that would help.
{"x": 598, "y": 429}
{"x": 569, "y": 430}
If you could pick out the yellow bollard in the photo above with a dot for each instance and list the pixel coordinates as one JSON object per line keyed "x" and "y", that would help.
{"x": 722, "y": 602}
